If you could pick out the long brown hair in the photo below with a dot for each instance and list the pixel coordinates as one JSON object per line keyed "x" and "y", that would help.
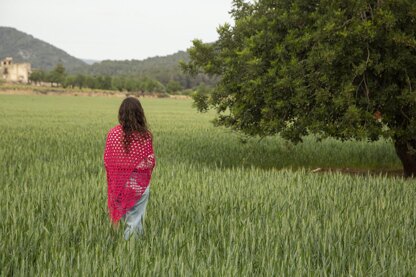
{"x": 131, "y": 117}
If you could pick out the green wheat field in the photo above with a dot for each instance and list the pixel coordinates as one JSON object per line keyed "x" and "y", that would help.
{"x": 220, "y": 204}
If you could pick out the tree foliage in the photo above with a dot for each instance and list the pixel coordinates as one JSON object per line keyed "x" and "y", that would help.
{"x": 58, "y": 76}
{"x": 173, "y": 86}
{"x": 344, "y": 69}
{"x": 164, "y": 69}
{"x": 37, "y": 76}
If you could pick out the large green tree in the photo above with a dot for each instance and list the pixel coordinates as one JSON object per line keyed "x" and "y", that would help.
{"x": 57, "y": 75}
{"x": 37, "y": 76}
{"x": 333, "y": 68}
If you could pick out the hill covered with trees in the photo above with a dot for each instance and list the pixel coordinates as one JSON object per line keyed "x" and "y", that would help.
{"x": 45, "y": 57}
{"x": 164, "y": 69}
{"x": 42, "y": 55}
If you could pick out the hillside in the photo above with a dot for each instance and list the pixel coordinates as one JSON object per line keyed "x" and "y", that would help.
{"x": 134, "y": 67}
{"x": 163, "y": 69}
{"x": 42, "y": 55}
{"x": 25, "y": 48}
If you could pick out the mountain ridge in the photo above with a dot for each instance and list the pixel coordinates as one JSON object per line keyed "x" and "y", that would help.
{"x": 23, "y": 47}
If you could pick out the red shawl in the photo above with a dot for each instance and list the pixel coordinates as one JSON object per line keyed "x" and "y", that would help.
{"x": 128, "y": 173}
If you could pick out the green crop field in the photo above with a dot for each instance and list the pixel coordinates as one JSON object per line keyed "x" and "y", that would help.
{"x": 219, "y": 204}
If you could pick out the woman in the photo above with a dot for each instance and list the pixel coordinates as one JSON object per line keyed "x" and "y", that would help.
{"x": 129, "y": 161}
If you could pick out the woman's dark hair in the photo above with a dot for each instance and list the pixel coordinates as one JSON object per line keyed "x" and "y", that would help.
{"x": 131, "y": 117}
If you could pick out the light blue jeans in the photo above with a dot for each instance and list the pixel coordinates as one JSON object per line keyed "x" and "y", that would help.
{"x": 134, "y": 218}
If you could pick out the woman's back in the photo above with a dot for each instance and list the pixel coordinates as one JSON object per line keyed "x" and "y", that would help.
{"x": 129, "y": 161}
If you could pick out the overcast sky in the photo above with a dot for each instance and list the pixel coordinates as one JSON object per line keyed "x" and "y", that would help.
{"x": 117, "y": 29}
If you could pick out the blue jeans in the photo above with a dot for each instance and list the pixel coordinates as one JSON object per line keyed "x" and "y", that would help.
{"x": 134, "y": 218}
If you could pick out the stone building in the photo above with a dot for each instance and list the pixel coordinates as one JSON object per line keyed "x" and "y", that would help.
{"x": 15, "y": 72}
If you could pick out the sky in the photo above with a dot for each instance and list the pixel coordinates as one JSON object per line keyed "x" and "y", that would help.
{"x": 117, "y": 29}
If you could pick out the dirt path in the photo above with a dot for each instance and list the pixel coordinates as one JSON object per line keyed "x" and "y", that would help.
{"x": 90, "y": 93}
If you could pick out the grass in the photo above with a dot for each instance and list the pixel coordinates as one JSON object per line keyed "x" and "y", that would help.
{"x": 217, "y": 206}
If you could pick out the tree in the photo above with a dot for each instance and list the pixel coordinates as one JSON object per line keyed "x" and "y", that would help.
{"x": 131, "y": 85}
{"x": 70, "y": 81}
{"x": 91, "y": 82}
{"x": 173, "y": 86}
{"x": 106, "y": 83}
{"x": 57, "y": 75}
{"x": 200, "y": 97}
{"x": 151, "y": 85}
{"x": 80, "y": 81}
{"x": 334, "y": 68}
{"x": 118, "y": 83}
{"x": 37, "y": 76}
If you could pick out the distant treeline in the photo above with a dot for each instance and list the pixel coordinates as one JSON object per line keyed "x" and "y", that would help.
{"x": 59, "y": 77}
{"x": 163, "y": 69}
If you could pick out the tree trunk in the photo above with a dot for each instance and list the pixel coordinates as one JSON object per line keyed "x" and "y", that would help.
{"x": 406, "y": 150}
